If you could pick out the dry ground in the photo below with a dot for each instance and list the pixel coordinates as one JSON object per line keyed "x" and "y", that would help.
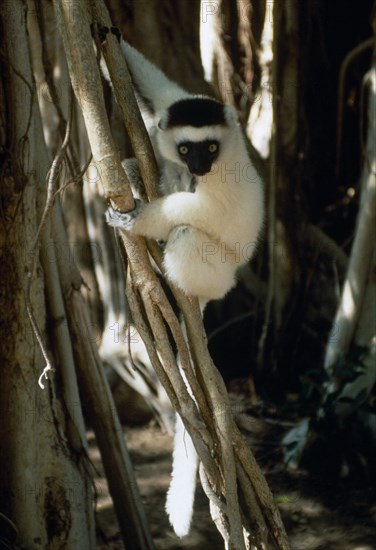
{"x": 318, "y": 514}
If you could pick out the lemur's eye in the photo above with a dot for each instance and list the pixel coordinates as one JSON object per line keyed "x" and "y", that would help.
{"x": 213, "y": 147}
{"x": 183, "y": 149}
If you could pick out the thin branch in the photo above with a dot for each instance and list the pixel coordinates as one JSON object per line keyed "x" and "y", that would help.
{"x": 271, "y": 202}
{"x": 89, "y": 93}
{"x": 76, "y": 179}
{"x": 129, "y": 110}
{"x": 38, "y": 335}
{"x": 54, "y": 174}
{"x": 353, "y": 54}
{"x": 361, "y": 254}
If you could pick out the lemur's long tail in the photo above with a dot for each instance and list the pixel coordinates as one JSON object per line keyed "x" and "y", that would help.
{"x": 157, "y": 91}
{"x": 181, "y": 494}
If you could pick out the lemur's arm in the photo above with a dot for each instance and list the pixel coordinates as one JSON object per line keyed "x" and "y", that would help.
{"x": 156, "y": 219}
{"x": 157, "y": 91}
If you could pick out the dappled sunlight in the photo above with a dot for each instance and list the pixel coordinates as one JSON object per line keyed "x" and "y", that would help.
{"x": 260, "y": 122}
{"x": 349, "y": 294}
{"x": 295, "y": 503}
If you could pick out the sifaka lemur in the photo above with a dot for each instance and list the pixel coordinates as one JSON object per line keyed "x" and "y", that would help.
{"x": 209, "y": 217}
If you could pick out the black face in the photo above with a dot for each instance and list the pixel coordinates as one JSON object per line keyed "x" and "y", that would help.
{"x": 199, "y": 155}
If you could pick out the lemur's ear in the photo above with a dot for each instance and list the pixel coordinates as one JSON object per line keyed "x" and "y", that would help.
{"x": 231, "y": 115}
{"x": 163, "y": 121}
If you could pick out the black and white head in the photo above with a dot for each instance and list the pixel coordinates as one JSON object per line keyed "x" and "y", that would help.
{"x": 196, "y": 132}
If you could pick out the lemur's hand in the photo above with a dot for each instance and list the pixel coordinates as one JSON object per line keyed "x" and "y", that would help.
{"x": 124, "y": 220}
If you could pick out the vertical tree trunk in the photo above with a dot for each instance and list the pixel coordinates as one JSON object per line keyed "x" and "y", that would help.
{"x": 355, "y": 322}
{"x": 282, "y": 211}
{"x": 43, "y": 486}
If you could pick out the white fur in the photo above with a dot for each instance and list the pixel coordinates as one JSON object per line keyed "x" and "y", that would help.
{"x": 208, "y": 233}
{"x": 150, "y": 82}
{"x": 181, "y": 494}
{"x": 212, "y": 232}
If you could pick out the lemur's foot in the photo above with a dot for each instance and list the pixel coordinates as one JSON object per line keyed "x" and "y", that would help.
{"x": 124, "y": 220}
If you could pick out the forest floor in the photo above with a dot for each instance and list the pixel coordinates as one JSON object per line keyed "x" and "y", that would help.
{"x": 319, "y": 514}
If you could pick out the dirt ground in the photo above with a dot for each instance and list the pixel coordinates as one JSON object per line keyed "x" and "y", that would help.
{"x": 318, "y": 514}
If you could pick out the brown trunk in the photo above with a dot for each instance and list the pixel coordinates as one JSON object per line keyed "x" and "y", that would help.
{"x": 44, "y": 489}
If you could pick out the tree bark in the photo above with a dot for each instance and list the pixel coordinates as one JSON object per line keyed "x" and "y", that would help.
{"x": 44, "y": 487}
{"x": 354, "y": 323}
{"x": 354, "y": 289}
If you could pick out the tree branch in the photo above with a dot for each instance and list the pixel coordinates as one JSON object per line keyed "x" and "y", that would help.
{"x": 85, "y": 78}
{"x": 348, "y": 312}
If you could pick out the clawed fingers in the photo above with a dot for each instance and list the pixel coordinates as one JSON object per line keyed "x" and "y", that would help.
{"x": 117, "y": 219}
{"x": 124, "y": 220}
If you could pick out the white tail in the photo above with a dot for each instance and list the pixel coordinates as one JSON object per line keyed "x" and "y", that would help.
{"x": 181, "y": 494}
